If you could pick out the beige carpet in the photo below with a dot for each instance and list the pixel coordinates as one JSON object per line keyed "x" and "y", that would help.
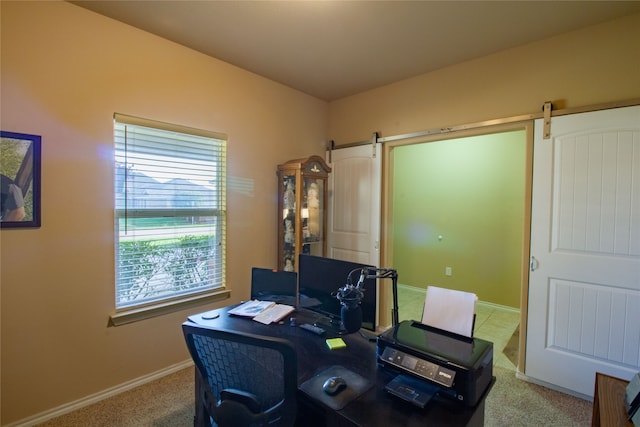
{"x": 514, "y": 402}
{"x": 168, "y": 402}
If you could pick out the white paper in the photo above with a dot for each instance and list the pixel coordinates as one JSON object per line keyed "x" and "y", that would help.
{"x": 251, "y": 308}
{"x": 450, "y": 310}
{"x": 273, "y": 314}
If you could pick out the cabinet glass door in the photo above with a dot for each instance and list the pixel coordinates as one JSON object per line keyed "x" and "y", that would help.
{"x": 313, "y": 216}
{"x": 289, "y": 222}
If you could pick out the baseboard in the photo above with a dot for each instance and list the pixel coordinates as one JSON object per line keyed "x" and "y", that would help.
{"x": 97, "y": 397}
{"x": 482, "y": 303}
{"x": 498, "y": 306}
{"x": 413, "y": 288}
{"x": 524, "y": 377}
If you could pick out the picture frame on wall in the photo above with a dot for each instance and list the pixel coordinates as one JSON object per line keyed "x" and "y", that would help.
{"x": 632, "y": 399}
{"x": 20, "y": 168}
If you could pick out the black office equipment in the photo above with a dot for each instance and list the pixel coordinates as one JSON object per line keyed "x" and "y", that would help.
{"x": 312, "y": 328}
{"x": 334, "y": 385}
{"x": 247, "y": 379}
{"x": 412, "y": 390}
{"x": 461, "y": 367}
{"x": 320, "y": 278}
{"x": 351, "y": 295}
{"x": 364, "y": 402}
{"x": 274, "y": 285}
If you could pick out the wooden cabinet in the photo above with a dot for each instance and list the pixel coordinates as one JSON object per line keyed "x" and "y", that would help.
{"x": 302, "y": 214}
{"x": 608, "y": 402}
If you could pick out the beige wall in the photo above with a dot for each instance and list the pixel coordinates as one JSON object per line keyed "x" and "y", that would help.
{"x": 65, "y": 71}
{"x": 595, "y": 65}
{"x": 591, "y": 66}
{"x": 459, "y": 204}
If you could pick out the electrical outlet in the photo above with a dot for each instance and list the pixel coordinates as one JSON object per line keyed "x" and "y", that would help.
{"x": 448, "y": 271}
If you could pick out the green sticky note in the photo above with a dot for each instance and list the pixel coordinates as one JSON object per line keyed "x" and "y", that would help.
{"x": 334, "y": 343}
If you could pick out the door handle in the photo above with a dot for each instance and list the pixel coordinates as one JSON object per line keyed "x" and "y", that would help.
{"x": 533, "y": 263}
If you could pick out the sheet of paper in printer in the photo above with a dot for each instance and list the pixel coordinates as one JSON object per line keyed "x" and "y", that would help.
{"x": 450, "y": 310}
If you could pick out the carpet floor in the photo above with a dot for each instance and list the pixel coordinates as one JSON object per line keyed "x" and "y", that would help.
{"x": 514, "y": 402}
{"x": 168, "y": 402}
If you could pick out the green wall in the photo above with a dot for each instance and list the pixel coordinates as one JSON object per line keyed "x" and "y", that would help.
{"x": 469, "y": 191}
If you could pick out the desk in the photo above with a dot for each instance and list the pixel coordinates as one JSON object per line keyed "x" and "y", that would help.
{"x": 375, "y": 407}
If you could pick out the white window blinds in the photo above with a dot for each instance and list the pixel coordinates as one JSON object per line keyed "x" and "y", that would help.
{"x": 170, "y": 211}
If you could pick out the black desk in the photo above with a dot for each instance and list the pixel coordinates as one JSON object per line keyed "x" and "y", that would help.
{"x": 375, "y": 407}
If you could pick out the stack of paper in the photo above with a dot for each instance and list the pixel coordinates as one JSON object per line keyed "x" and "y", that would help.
{"x": 262, "y": 311}
{"x": 450, "y": 310}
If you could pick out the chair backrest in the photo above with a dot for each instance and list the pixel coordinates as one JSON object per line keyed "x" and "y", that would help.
{"x": 248, "y": 380}
{"x": 274, "y": 285}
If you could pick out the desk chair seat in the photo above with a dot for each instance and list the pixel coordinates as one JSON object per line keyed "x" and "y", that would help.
{"x": 248, "y": 380}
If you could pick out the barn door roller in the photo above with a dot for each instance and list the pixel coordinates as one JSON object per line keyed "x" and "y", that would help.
{"x": 546, "y": 109}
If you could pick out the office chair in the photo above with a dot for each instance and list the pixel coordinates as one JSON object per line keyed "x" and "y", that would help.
{"x": 247, "y": 380}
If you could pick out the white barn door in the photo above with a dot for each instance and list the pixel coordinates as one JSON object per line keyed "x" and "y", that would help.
{"x": 584, "y": 283}
{"x": 354, "y": 204}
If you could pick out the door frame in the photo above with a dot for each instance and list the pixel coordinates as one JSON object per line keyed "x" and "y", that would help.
{"x": 526, "y": 122}
{"x": 386, "y": 247}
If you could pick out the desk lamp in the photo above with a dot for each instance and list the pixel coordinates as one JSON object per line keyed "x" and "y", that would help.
{"x": 350, "y": 296}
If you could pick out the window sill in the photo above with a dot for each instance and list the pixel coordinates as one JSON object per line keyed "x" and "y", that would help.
{"x": 147, "y": 312}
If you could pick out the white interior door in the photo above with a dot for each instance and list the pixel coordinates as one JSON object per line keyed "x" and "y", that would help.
{"x": 353, "y": 218}
{"x": 584, "y": 287}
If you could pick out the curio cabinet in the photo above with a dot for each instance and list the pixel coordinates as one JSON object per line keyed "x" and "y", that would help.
{"x": 302, "y": 215}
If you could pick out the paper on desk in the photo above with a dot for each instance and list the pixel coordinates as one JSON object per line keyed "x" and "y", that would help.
{"x": 450, "y": 310}
{"x": 274, "y": 313}
{"x": 251, "y": 308}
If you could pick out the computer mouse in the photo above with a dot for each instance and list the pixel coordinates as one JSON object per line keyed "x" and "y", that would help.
{"x": 334, "y": 385}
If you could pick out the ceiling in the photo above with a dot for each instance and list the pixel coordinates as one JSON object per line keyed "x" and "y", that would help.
{"x": 332, "y": 49}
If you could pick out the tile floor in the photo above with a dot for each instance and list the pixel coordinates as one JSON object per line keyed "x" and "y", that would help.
{"x": 493, "y": 323}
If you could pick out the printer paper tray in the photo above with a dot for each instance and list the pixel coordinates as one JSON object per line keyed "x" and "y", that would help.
{"x": 412, "y": 390}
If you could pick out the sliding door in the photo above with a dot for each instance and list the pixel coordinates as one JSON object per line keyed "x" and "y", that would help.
{"x": 354, "y": 204}
{"x": 584, "y": 284}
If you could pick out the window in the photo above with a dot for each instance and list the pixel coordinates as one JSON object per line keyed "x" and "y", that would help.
{"x": 170, "y": 212}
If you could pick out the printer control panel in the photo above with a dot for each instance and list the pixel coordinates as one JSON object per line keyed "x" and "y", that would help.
{"x": 420, "y": 367}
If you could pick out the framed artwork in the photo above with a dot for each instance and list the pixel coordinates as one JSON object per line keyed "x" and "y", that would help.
{"x": 632, "y": 398}
{"x": 20, "y": 156}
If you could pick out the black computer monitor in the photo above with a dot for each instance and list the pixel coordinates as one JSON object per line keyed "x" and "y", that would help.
{"x": 320, "y": 278}
{"x": 274, "y": 285}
